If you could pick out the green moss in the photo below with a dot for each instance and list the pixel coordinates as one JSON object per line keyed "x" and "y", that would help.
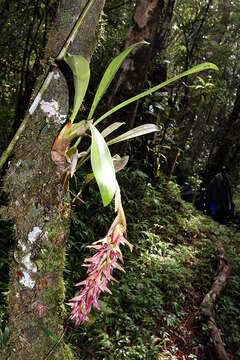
{"x": 65, "y": 353}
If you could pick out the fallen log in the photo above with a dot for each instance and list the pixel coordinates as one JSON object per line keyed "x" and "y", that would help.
{"x": 210, "y": 299}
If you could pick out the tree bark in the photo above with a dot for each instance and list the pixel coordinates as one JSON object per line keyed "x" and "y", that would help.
{"x": 161, "y": 41}
{"x": 132, "y": 74}
{"x": 210, "y": 299}
{"x": 40, "y": 211}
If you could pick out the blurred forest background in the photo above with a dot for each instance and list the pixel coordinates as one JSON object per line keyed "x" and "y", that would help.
{"x": 155, "y": 309}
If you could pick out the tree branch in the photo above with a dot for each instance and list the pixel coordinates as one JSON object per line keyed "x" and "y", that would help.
{"x": 210, "y": 299}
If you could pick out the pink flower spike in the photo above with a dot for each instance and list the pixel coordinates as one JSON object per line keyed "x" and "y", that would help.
{"x": 101, "y": 266}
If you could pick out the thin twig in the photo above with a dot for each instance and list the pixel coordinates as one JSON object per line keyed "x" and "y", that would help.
{"x": 56, "y": 344}
{"x": 76, "y": 196}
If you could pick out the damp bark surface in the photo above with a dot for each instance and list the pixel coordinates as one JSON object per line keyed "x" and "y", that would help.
{"x": 40, "y": 210}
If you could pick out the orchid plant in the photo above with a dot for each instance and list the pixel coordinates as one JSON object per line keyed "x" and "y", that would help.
{"x": 68, "y": 159}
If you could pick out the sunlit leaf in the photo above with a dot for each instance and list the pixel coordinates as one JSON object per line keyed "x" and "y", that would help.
{"x": 193, "y": 70}
{"x": 109, "y": 75}
{"x": 138, "y": 131}
{"x": 81, "y": 75}
{"x": 111, "y": 128}
{"x": 102, "y": 166}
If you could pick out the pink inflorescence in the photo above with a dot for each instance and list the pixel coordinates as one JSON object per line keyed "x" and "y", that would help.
{"x": 100, "y": 268}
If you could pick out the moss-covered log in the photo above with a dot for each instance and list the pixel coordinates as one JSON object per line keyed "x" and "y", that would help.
{"x": 40, "y": 210}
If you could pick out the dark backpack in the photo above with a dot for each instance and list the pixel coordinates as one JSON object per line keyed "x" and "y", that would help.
{"x": 219, "y": 203}
{"x": 215, "y": 200}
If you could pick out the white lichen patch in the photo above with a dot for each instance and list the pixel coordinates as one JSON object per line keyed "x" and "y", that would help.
{"x": 24, "y": 248}
{"x": 28, "y": 263}
{"x": 34, "y": 234}
{"x": 61, "y": 118}
{"x": 28, "y": 268}
{"x": 19, "y": 163}
{"x": 56, "y": 75}
{"x": 27, "y": 281}
{"x": 51, "y": 108}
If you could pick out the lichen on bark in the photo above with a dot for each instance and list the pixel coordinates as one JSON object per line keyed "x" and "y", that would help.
{"x": 41, "y": 212}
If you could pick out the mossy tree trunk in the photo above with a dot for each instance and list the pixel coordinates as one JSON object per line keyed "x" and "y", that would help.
{"x": 40, "y": 211}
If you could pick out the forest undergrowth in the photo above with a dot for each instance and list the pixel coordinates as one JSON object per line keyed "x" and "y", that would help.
{"x": 154, "y": 312}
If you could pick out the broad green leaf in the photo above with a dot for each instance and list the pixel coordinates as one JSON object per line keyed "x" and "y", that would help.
{"x": 193, "y": 70}
{"x": 102, "y": 166}
{"x": 138, "y": 131}
{"x": 109, "y": 75}
{"x": 81, "y": 75}
{"x": 111, "y": 128}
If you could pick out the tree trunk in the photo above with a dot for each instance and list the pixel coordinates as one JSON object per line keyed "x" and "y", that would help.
{"x": 132, "y": 74}
{"x": 40, "y": 211}
{"x": 226, "y": 149}
{"x": 161, "y": 41}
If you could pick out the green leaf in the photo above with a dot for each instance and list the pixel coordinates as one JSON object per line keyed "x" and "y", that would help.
{"x": 137, "y": 131}
{"x": 102, "y": 166}
{"x": 111, "y": 128}
{"x": 109, "y": 75}
{"x": 81, "y": 75}
{"x": 193, "y": 70}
